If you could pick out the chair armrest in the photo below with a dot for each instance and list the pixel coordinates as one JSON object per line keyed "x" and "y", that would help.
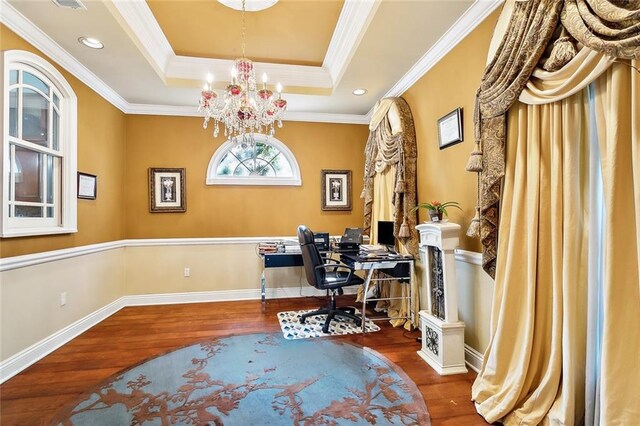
{"x": 340, "y": 266}
{"x": 334, "y": 263}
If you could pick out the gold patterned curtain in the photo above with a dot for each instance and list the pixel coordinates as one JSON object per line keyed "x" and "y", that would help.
{"x": 390, "y": 194}
{"x": 531, "y": 27}
{"x": 393, "y": 144}
{"x": 541, "y": 35}
{"x": 565, "y": 329}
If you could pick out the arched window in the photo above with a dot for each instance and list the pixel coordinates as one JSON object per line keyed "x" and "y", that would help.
{"x": 38, "y": 148}
{"x": 268, "y": 162}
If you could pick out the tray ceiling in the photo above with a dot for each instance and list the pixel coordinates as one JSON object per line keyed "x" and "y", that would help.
{"x": 290, "y": 32}
{"x": 157, "y": 53}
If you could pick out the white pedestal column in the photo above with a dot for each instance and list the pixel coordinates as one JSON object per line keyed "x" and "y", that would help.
{"x": 442, "y": 332}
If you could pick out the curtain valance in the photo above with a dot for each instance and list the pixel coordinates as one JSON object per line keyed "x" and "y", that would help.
{"x": 548, "y": 51}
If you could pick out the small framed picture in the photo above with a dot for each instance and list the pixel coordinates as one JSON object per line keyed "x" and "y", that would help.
{"x": 87, "y": 186}
{"x": 336, "y": 189}
{"x": 450, "y": 128}
{"x": 167, "y": 190}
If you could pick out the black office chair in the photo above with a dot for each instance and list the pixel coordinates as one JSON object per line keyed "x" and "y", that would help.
{"x": 331, "y": 276}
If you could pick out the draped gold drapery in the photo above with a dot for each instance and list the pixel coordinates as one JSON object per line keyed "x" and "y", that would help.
{"x": 383, "y": 209}
{"x": 393, "y": 144}
{"x": 536, "y": 353}
{"x": 390, "y": 192}
{"x": 617, "y": 114}
{"x": 527, "y": 35}
{"x": 547, "y": 33}
{"x": 534, "y": 367}
{"x": 543, "y": 333}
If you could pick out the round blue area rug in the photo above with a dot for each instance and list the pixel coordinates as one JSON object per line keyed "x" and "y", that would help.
{"x": 256, "y": 379}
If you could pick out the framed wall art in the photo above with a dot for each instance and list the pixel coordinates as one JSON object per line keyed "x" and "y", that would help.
{"x": 87, "y": 186}
{"x": 167, "y": 190}
{"x": 450, "y": 128}
{"x": 336, "y": 189}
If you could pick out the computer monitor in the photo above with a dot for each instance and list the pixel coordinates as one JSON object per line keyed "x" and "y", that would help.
{"x": 385, "y": 234}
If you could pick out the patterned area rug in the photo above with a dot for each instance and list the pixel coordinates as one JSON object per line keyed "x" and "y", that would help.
{"x": 312, "y": 327}
{"x": 255, "y": 379}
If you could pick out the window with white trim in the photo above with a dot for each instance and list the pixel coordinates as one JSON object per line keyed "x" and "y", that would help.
{"x": 39, "y": 131}
{"x": 268, "y": 162}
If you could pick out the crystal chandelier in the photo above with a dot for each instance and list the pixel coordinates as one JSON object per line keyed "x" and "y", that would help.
{"x": 244, "y": 110}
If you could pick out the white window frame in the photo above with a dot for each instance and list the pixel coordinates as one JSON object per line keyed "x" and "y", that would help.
{"x": 66, "y": 201}
{"x": 217, "y": 157}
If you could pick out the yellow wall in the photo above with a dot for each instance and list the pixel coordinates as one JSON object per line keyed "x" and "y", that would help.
{"x": 225, "y": 211}
{"x": 101, "y": 139}
{"x": 451, "y": 83}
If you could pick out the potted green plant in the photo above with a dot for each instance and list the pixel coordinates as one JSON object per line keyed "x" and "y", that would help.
{"x": 437, "y": 209}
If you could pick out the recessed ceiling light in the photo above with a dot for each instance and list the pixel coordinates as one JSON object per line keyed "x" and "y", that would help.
{"x": 93, "y": 43}
{"x": 359, "y": 92}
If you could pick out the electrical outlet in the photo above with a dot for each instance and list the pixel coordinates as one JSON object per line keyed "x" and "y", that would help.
{"x": 187, "y": 272}
{"x": 63, "y": 298}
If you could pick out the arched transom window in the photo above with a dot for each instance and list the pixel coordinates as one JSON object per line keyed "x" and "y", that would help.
{"x": 268, "y": 162}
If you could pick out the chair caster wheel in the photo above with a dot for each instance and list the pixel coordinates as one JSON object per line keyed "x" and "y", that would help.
{"x": 358, "y": 323}
{"x": 325, "y": 330}
{"x": 302, "y": 320}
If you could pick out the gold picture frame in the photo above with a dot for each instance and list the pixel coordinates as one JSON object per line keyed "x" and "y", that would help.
{"x": 336, "y": 189}
{"x": 167, "y": 190}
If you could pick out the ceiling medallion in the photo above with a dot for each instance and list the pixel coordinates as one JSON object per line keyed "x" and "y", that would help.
{"x": 244, "y": 109}
{"x": 251, "y": 5}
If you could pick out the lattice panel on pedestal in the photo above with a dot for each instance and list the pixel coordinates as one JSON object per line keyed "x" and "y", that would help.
{"x": 431, "y": 340}
{"x": 437, "y": 282}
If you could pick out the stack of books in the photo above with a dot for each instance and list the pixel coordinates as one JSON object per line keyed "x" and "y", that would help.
{"x": 267, "y": 247}
{"x": 291, "y": 246}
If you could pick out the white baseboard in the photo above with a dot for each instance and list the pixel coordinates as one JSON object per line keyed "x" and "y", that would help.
{"x": 473, "y": 358}
{"x": 23, "y": 359}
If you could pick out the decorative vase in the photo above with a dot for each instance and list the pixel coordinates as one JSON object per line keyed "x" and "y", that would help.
{"x": 435, "y": 216}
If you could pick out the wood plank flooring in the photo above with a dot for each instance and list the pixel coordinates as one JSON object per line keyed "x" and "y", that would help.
{"x": 136, "y": 333}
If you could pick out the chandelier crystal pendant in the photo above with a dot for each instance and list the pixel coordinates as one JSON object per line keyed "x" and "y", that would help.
{"x": 243, "y": 110}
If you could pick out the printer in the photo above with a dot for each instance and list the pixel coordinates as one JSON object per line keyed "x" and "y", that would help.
{"x": 350, "y": 240}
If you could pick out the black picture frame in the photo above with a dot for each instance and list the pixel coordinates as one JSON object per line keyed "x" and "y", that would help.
{"x": 167, "y": 190}
{"x": 87, "y": 186}
{"x": 336, "y": 189}
{"x": 450, "y": 129}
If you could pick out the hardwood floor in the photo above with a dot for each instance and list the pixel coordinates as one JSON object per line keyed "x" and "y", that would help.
{"x": 136, "y": 333}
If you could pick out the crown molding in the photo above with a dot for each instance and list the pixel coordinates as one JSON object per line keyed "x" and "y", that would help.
{"x": 175, "y": 110}
{"x": 323, "y": 117}
{"x": 136, "y": 18}
{"x": 191, "y": 68}
{"x": 469, "y": 20}
{"x": 140, "y": 20}
{"x": 26, "y": 29}
{"x": 354, "y": 19}
{"x": 192, "y": 111}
